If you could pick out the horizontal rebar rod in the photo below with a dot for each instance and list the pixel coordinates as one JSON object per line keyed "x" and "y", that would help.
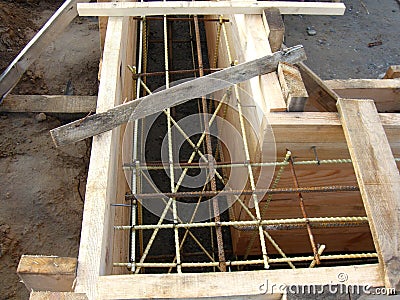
{"x": 159, "y": 165}
{"x": 301, "y": 226}
{"x": 201, "y": 165}
{"x": 315, "y": 189}
{"x": 174, "y": 72}
{"x": 245, "y": 223}
{"x": 250, "y": 262}
{"x": 181, "y": 41}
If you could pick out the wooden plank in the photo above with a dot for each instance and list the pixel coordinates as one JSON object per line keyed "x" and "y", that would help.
{"x": 273, "y": 22}
{"x": 300, "y": 126}
{"x": 385, "y": 92}
{"x": 96, "y": 247}
{"x": 48, "y": 33}
{"x": 378, "y": 178}
{"x": 48, "y": 104}
{"x": 56, "y": 296}
{"x": 229, "y": 283}
{"x": 102, "y": 29}
{"x": 299, "y": 131}
{"x": 252, "y": 43}
{"x": 178, "y": 94}
{"x": 47, "y": 273}
{"x": 292, "y": 242}
{"x": 320, "y": 96}
{"x": 207, "y": 8}
{"x": 293, "y": 88}
{"x": 392, "y": 72}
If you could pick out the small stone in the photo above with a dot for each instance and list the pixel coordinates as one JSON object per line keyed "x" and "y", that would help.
{"x": 4, "y": 117}
{"x": 41, "y": 117}
{"x": 311, "y": 32}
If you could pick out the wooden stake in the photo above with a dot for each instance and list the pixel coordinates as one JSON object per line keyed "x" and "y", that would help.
{"x": 293, "y": 88}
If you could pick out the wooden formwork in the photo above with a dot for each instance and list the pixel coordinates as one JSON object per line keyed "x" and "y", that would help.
{"x": 356, "y": 130}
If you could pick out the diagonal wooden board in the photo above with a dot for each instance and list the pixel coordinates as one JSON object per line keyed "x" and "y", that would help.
{"x": 178, "y": 94}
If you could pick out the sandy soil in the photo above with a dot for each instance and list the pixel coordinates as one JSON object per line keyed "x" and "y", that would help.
{"x": 41, "y": 196}
{"x": 42, "y": 188}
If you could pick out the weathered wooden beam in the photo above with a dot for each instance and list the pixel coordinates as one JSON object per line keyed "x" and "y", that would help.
{"x": 230, "y": 284}
{"x": 292, "y": 86}
{"x": 47, "y": 273}
{"x": 385, "y": 92}
{"x": 48, "y": 104}
{"x": 378, "y": 178}
{"x": 275, "y": 27}
{"x": 178, "y": 94}
{"x": 56, "y": 296}
{"x": 48, "y": 33}
{"x": 118, "y": 9}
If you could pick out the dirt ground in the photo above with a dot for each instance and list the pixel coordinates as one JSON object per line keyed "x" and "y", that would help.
{"x": 42, "y": 188}
{"x": 339, "y": 50}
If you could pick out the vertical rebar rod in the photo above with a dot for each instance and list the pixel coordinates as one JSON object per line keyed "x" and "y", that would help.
{"x": 247, "y": 156}
{"x": 170, "y": 150}
{"x": 304, "y": 213}
{"x": 135, "y": 153}
{"x": 217, "y": 217}
{"x": 269, "y": 198}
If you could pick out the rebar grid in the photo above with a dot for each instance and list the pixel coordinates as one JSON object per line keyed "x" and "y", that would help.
{"x": 257, "y": 223}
